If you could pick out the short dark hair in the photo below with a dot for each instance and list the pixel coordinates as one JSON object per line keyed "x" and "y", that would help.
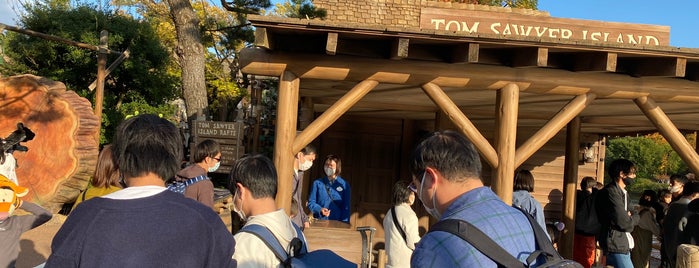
{"x": 147, "y": 144}
{"x": 338, "y": 161}
{"x": 653, "y": 196}
{"x": 524, "y": 180}
{"x": 679, "y": 178}
{"x": 401, "y": 193}
{"x": 206, "y": 148}
{"x": 106, "y": 173}
{"x": 620, "y": 165}
{"x": 255, "y": 172}
{"x": 587, "y": 182}
{"x": 450, "y": 153}
{"x": 309, "y": 149}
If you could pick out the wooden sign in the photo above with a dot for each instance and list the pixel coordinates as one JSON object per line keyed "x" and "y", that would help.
{"x": 228, "y": 134}
{"x": 508, "y": 24}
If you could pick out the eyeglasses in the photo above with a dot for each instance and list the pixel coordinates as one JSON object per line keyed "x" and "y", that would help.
{"x": 217, "y": 159}
{"x": 412, "y": 187}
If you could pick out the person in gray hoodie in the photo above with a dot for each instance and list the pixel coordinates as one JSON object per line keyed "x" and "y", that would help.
{"x": 523, "y": 199}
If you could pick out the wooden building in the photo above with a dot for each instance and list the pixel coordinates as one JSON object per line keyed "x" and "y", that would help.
{"x": 531, "y": 91}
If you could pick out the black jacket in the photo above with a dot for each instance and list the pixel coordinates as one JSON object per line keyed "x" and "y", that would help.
{"x": 614, "y": 219}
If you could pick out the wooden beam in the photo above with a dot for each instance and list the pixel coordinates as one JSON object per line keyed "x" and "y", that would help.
{"x": 673, "y": 136}
{"x": 332, "y": 114}
{"x": 331, "y": 44}
{"x": 262, "y": 39}
{"x": 381, "y": 105}
{"x": 399, "y": 48}
{"x": 101, "y": 65}
{"x": 287, "y": 111}
{"x": 408, "y": 72}
{"x": 461, "y": 121}
{"x": 507, "y": 106}
{"x": 656, "y": 67}
{"x": 530, "y": 57}
{"x": 552, "y": 127}
{"x": 585, "y": 61}
{"x": 570, "y": 179}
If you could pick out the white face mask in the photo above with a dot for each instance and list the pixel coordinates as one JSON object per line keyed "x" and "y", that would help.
{"x": 675, "y": 189}
{"x": 305, "y": 165}
{"x": 240, "y": 212}
{"x": 215, "y": 167}
{"x": 329, "y": 171}
{"x": 432, "y": 211}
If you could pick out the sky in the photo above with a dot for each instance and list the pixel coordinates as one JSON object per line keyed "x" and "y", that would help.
{"x": 680, "y": 15}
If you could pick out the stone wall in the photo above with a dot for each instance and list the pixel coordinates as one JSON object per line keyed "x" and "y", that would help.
{"x": 397, "y": 12}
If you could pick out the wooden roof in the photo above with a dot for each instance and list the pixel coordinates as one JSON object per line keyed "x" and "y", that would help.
{"x": 330, "y": 58}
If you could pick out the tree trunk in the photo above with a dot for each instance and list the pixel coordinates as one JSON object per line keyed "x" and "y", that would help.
{"x": 62, "y": 156}
{"x": 191, "y": 56}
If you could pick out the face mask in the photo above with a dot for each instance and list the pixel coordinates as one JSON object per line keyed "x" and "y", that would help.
{"x": 215, "y": 167}
{"x": 305, "y": 165}
{"x": 628, "y": 180}
{"x": 240, "y": 212}
{"x": 675, "y": 189}
{"x": 432, "y": 211}
{"x": 329, "y": 171}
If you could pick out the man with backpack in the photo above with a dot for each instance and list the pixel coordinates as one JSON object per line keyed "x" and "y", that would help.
{"x": 253, "y": 183}
{"x": 446, "y": 171}
{"x": 268, "y": 238}
{"x": 586, "y": 223}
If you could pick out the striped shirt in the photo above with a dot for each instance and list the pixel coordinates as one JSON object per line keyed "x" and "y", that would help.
{"x": 506, "y": 225}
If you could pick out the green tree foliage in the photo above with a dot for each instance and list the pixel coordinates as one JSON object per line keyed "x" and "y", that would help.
{"x": 141, "y": 78}
{"x": 302, "y": 9}
{"x": 651, "y": 154}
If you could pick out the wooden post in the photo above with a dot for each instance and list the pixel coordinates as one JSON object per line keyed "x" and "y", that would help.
{"x": 101, "y": 66}
{"x": 462, "y": 122}
{"x": 287, "y": 109}
{"x": 333, "y": 113}
{"x": 505, "y": 140}
{"x": 570, "y": 181}
{"x": 567, "y": 113}
{"x": 673, "y": 136}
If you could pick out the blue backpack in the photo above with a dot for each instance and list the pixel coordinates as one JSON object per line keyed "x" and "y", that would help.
{"x": 180, "y": 186}
{"x": 298, "y": 255}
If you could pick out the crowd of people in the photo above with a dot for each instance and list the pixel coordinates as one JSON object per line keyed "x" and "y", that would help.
{"x": 625, "y": 235}
{"x": 140, "y": 220}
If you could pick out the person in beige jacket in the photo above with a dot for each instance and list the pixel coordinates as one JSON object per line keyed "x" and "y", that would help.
{"x": 401, "y": 233}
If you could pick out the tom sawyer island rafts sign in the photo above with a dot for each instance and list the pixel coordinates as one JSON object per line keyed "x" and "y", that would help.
{"x": 228, "y": 134}
{"x": 507, "y": 25}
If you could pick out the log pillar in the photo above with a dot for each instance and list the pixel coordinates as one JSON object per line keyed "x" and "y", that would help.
{"x": 332, "y": 114}
{"x": 287, "y": 111}
{"x": 507, "y": 107}
{"x": 462, "y": 123}
{"x": 673, "y": 136}
{"x": 570, "y": 179}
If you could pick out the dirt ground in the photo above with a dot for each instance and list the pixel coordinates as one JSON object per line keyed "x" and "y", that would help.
{"x": 35, "y": 244}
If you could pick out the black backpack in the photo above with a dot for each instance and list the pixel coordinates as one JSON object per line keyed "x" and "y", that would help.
{"x": 586, "y": 221}
{"x": 495, "y": 252}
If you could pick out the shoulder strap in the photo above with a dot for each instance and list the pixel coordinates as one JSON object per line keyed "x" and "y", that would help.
{"x": 542, "y": 241}
{"x": 268, "y": 238}
{"x": 195, "y": 179}
{"x": 395, "y": 222}
{"x": 478, "y": 240}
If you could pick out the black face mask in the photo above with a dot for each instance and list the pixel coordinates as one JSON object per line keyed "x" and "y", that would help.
{"x": 628, "y": 181}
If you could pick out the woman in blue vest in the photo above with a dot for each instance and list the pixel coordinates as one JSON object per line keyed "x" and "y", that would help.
{"x": 330, "y": 196}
